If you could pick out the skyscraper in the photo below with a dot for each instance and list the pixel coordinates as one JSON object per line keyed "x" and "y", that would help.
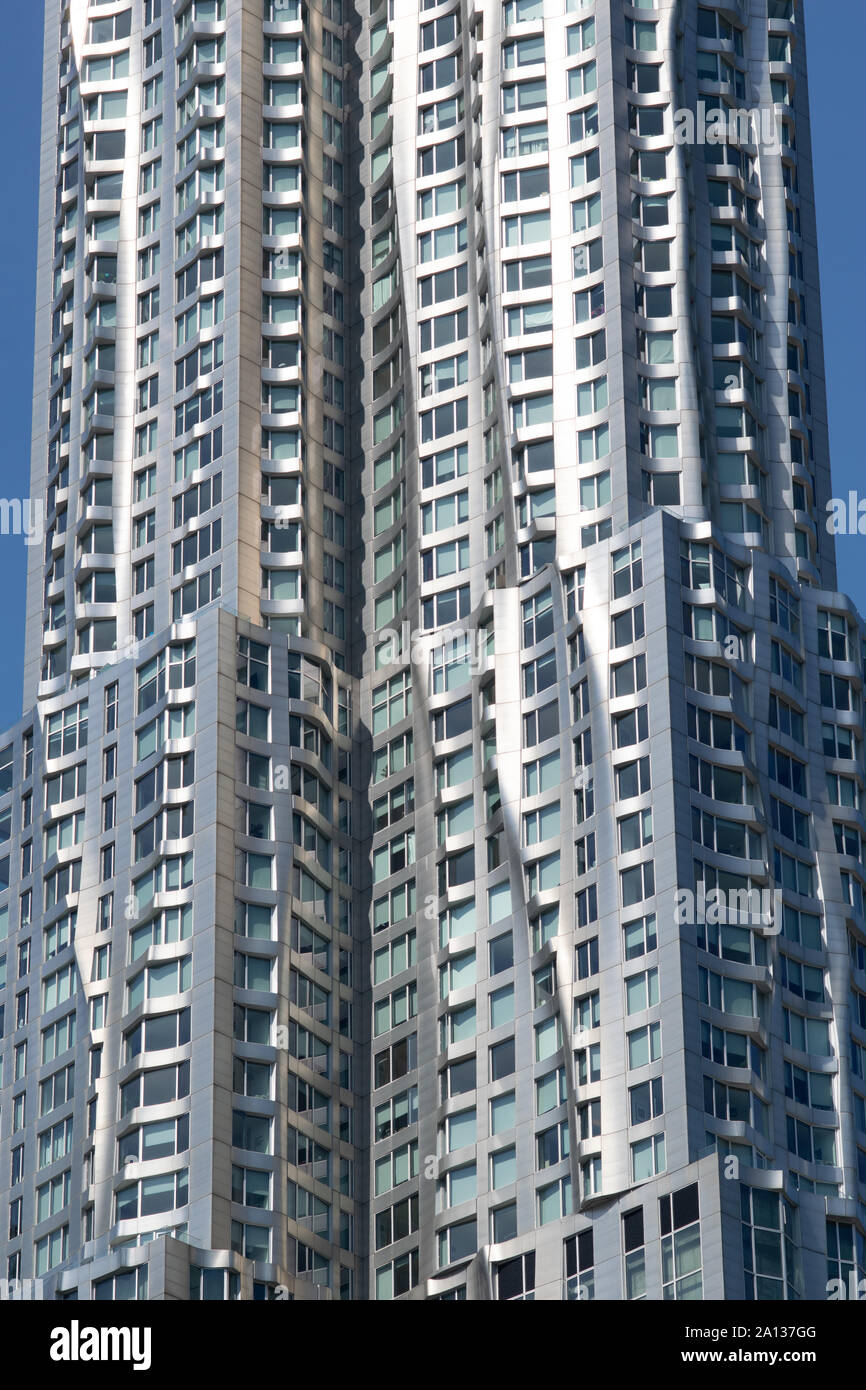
{"x": 434, "y": 857}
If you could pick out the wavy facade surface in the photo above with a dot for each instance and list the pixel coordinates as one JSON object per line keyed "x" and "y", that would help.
{"x": 435, "y": 867}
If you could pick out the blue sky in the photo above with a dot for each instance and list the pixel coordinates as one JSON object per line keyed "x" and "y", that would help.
{"x": 833, "y": 27}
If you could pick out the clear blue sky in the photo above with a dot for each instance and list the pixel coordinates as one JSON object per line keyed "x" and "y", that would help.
{"x": 834, "y": 28}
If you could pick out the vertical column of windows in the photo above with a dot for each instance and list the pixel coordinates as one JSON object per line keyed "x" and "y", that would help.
{"x": 651, "y": 172}
{"x": 284, "y": 291}
{"x": 199, "y": 306}
{"x": 395, "y": 1001}
{"x": 105, "y": 80}
{"x": 588, "y": 299}
{"x": 782, "y": 40}
{"x": 491, "y": 424}
{"x": 19, "y": 964}
{"x": 524, "y": 198}
{"x": 159, "y": 913}
{"x": 255, "y": 1032}
{"x": 56, "y": 650}
{"x": 523, "y": 141}
{"x": 104, "y": 65}
{"x": 320, "y": 1030}
{"x": 148, "y": 288}
{"x": 335, "y": 250}
{"x": 725, "y": 833}
{"x": 442, "y": 279}
{"x": 736, "y": 287}
{"x": 149, "y": 226}
{"x": 321, "y": 1019}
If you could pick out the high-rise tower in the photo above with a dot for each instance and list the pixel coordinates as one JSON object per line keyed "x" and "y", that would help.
{"x": 435, "y": 847}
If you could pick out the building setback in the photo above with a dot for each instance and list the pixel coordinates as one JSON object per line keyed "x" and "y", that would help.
{"x": 433, "y": 856}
